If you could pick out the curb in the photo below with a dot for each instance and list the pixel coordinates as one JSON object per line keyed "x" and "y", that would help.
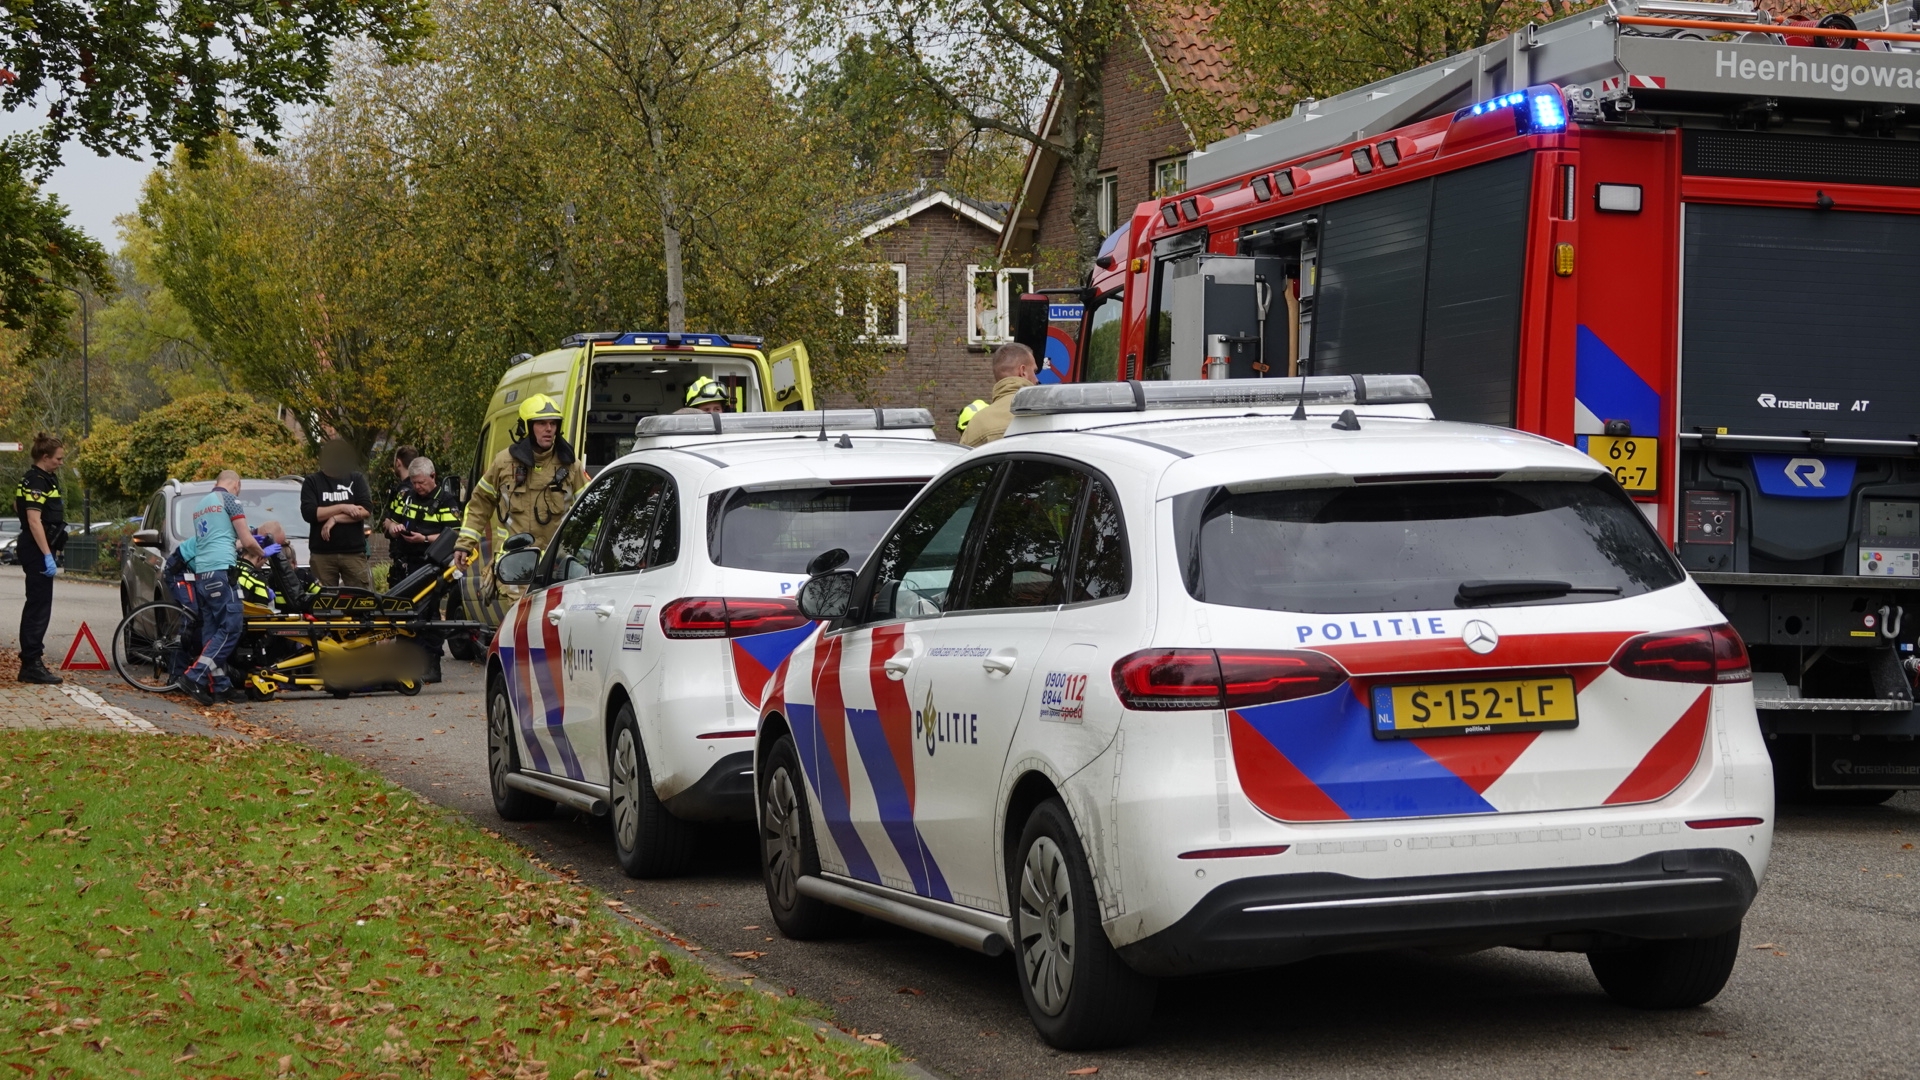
{"x": 120, "y": 717}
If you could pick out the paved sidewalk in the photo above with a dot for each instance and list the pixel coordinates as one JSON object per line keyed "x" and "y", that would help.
{"x": 25, "y": 707}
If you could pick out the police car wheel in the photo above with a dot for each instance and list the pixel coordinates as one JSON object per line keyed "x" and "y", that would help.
{"x": 1677, "y": 974}
{"x": 787, "y": 851}
{"x": 647, "y": 839}
{"x": 1079, "y": 993}
{"x": 503, "y": 757}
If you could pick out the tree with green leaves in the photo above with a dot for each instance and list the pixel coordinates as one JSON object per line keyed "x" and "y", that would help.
{"x": 42, "y": 255}
{"x": 654, "y": 58}
{"x": 1290, "y": 50}
{"x": 992, "y": 62}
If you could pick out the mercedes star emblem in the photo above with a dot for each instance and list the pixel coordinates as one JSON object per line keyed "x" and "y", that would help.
{"x": 1480, "y": 637}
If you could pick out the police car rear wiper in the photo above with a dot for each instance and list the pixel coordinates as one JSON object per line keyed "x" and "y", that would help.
{"x": 1480, "y": 592}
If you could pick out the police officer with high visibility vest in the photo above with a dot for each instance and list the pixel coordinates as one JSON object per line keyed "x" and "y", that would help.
{"x": 43, "y": 531}
{"x": 416, "y": 516}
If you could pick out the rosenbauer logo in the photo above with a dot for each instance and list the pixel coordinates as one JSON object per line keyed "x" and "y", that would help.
{"x": 1837, "y": 76}
{"x": 1768, "y": 401}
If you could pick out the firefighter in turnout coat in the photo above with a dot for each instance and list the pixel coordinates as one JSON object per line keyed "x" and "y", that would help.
{"x": 527, "y": 487}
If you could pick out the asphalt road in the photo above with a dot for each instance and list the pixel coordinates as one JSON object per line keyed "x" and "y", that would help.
{"x": 1828, "y": 984}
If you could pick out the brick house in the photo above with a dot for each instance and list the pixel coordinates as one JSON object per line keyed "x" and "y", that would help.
{"x": 1168, "y": 87}
{"x": 940, "y": 246}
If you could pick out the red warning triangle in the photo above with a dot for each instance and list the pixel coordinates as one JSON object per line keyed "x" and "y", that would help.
{"x": 99, "y": 661}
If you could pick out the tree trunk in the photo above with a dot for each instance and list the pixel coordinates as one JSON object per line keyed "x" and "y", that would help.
{"x": 1083, "y": 128}
{"x": 669, "y": 226}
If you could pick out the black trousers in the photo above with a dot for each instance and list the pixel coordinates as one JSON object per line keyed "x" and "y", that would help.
{"x": 430, "y": 641}
{"x": 36, "y": 611}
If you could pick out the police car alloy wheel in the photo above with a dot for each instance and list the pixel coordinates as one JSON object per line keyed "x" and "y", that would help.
{"x": 787, "y": 851}
{"x": 503, "y": 757}
{"x": 1080, "y": 995}
{"x": 647, "y": 839}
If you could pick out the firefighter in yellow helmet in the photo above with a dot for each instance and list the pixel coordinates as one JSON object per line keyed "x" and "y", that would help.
{"x": 967, "y": 414}
{"x": 529, "y": 485}
{"x": 707, "y": 395}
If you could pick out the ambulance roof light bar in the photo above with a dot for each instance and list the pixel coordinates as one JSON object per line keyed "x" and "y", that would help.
{"x": 652, "y": 337}
{"x": 775, "y": 423}
{"x": 1137, "y": 396}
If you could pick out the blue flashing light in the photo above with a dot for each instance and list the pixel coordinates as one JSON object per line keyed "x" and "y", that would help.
{"x": 1535, "y": 109}
{"x": 1549, "y": 114}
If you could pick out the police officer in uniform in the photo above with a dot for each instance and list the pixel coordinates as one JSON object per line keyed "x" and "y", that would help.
{"x": 43, "y": 531}
{"x": 529, "y": 485}
{"x": 416, "y": 516}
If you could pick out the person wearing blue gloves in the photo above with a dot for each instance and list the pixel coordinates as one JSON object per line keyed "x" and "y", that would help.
{"x": 43, "y": 532}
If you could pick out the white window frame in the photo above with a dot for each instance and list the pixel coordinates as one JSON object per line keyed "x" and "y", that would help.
{"x": 873, "y": 336}
{"x": 1173, "y": 164}
{"x": 996, "y": 331}
{"x": 1107, "y": 213}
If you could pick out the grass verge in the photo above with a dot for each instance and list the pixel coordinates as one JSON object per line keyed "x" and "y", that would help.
{"x": 184, "y": 907}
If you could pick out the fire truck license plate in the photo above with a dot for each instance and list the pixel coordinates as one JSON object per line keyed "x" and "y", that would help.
{"x": 1635, "y": 461}
{"x": 1410, "y": 711}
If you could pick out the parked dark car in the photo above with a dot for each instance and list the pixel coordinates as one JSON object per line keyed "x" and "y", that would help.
{"x": 169, "y": 520}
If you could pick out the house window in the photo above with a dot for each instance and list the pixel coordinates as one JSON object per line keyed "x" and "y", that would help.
{"x": 881, "y": 325}
{"x": 991, "y": 295}
{"x": 1169, "y": 177}
{"x": 1108, "y": 206}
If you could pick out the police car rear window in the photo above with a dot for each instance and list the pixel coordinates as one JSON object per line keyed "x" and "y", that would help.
{"x": 781, "y": 530}
{"x": 1418, "y": 546}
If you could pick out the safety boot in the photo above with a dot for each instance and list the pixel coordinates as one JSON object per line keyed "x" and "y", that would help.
{"x": 37, "y": 672}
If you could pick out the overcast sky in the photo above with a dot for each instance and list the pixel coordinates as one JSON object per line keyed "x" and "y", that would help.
{"x": 95, "y": 190}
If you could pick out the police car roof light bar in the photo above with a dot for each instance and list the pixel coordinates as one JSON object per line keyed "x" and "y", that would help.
{"x": 769, "y": 423}
{"x": 662, "y": 338}
{"x": 1136, "y": 396}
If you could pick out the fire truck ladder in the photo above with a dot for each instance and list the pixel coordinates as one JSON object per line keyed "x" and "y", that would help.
{"x": 1598, "y": 58}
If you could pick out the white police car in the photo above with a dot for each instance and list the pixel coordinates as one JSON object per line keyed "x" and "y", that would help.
{"x": 1177, "y": 679}
{"x": 628, "y": 679}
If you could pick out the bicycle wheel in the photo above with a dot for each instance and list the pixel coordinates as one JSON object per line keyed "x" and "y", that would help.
{"x": 146, "y": 646}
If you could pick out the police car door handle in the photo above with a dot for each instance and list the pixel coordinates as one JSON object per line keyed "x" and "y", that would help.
{"x": 604, "y": 611}
{"x": 556, "y": 615}
{"x": 1001, "y": 662}
{"x": 896, "y": 665}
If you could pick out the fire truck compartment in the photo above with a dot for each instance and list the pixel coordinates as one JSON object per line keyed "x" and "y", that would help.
{"x": 1794, "y": 322}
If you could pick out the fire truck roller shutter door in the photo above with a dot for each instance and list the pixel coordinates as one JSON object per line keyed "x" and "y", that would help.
{"x": 1792, "y": 322}
{"x": 1426, "y": 278}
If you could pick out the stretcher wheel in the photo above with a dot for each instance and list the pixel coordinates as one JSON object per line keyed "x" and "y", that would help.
{"x": 254, "y": 693}
{"x": 340, "y": 695}
{"x": 408, "y": 687}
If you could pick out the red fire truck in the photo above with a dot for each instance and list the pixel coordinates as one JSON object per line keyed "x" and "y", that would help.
{"x": 1676, "y": 234}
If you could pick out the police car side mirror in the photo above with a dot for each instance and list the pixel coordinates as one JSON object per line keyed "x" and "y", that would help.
{"x": 147, "y": 538}
{"x": 831, "y": 559}
{"x": 517, "y": 541}
{"x": 827, "y": 596}
{"x": 517, "y": 567}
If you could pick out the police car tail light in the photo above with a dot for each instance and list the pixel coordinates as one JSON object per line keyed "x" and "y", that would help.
{"x": 1163, "y": 679}
{"x": 1706, "y": 654}
{"x": 728, "y": 617}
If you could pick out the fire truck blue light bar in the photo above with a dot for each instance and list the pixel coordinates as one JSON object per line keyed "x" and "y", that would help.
{"x": 1549, "y": 112}
{"x": 1504, "y": 101}
{"x": 1108, "y": 397}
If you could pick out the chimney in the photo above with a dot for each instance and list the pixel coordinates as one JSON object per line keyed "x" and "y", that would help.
{"x": 932, "y": 162}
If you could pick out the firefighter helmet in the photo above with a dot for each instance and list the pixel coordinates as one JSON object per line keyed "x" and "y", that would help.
{"x": 706, "y": 391}
{"x": 967, "y": 414}
{"x": 539, "y": 407}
